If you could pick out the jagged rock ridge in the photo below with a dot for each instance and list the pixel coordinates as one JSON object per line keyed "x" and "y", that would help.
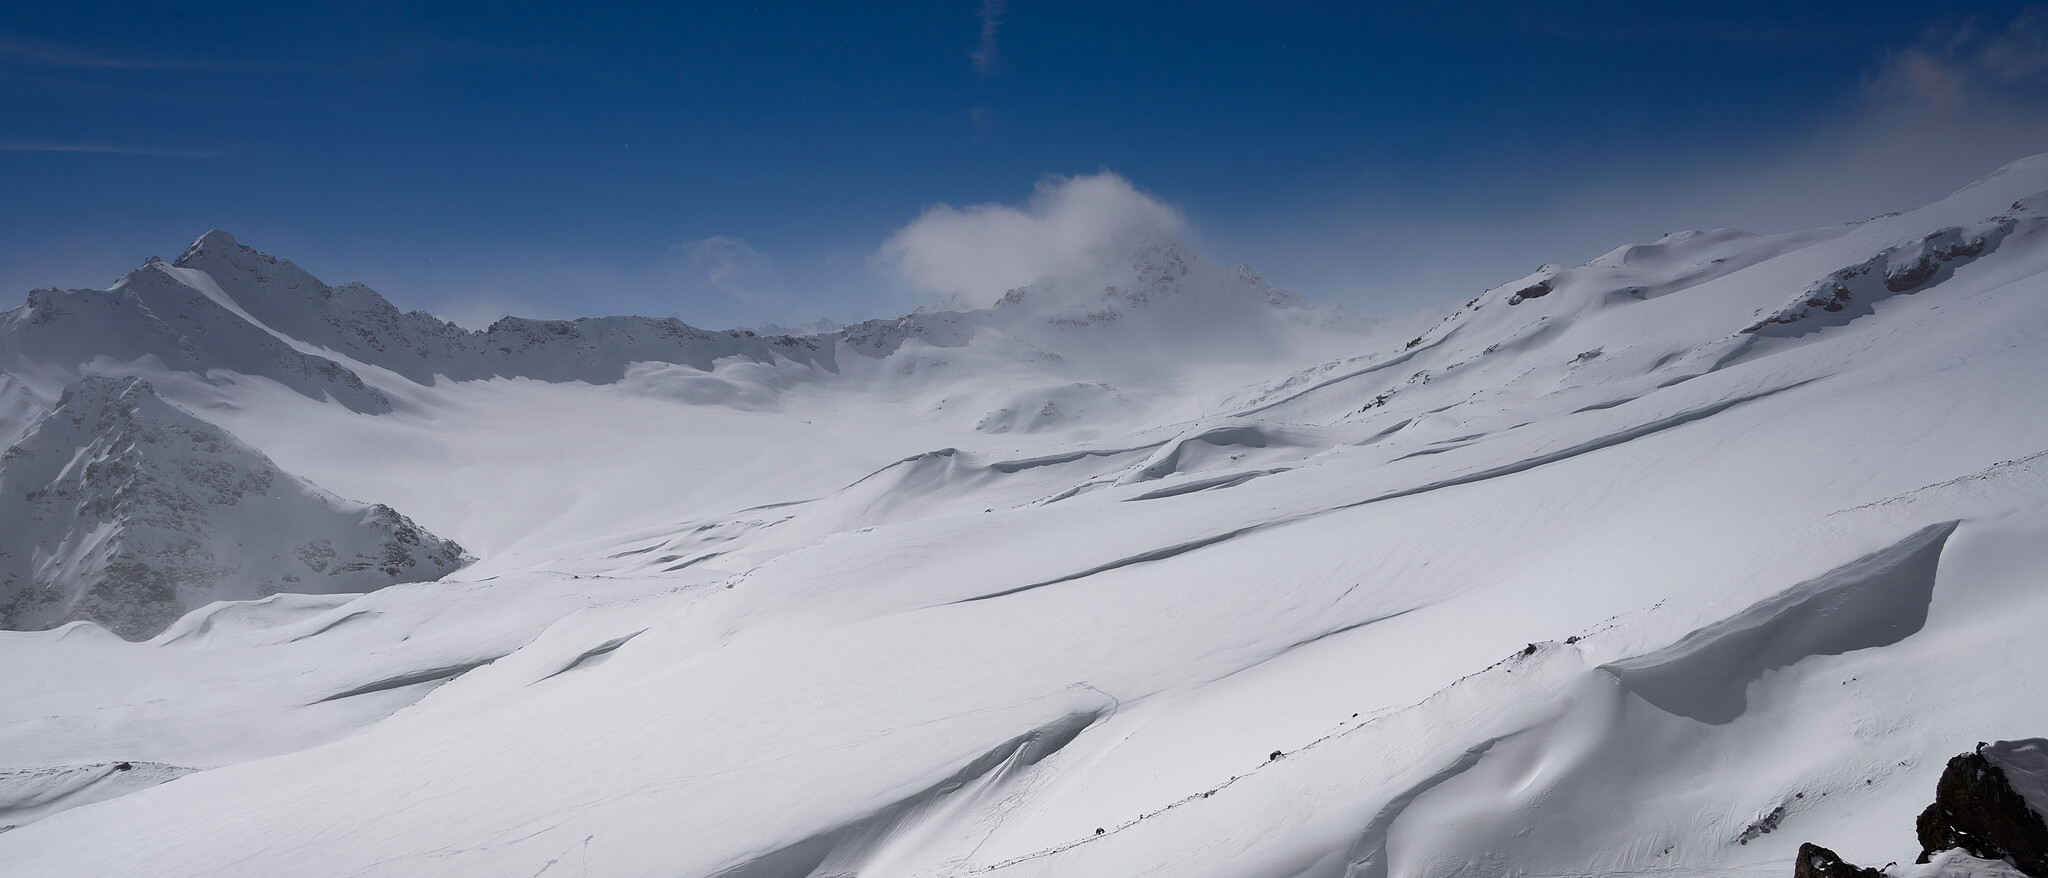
{"x": 127, "y": 511}
{"x": 1981, "y": 806}
{"x": 163, "y": 312}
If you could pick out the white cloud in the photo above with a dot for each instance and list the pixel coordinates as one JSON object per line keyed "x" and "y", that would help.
{"x": 977, "y": 253}
{"x": 730, "y": 265}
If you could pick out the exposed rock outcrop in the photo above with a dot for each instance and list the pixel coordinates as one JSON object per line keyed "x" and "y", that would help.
{"x": 1849, "y": 292}
{"x": 1815, "y": 861}
{"x": 1979, "y": 806}
{"x": 124, "y": 510}
{"x": 1988, "y": 805}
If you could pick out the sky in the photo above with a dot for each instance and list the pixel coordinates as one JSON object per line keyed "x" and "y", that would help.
{"x": 737, "y": 164}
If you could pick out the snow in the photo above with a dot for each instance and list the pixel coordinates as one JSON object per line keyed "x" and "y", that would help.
{"x": 1585, "y": 582}
{"x": 1876, "y": 601}
{"x": 1956, "y": 864}
{"x": 2025, "y": 764}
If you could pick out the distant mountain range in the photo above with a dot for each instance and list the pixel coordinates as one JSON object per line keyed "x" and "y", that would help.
{"x": 223, "y": 312}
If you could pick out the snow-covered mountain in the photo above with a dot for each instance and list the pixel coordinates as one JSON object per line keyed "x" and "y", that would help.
{"x": 156, "y": 317}
{"x": 222, "y": 305}
{"x": 120, "y": 509}
{"x": 1666, "y": 564}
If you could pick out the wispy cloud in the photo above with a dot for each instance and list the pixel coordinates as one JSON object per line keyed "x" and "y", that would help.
{"x": 25, "y": 54}
{"x": 1950, "y": 107}
{"x": 1605, "y": 29}
{"x": 109, "y": 149}
{"x": 984, "y": 56}
{"x": 414, "y": 51}
{"x": 1968, "y": 66}
{"x": 731, "y": 266}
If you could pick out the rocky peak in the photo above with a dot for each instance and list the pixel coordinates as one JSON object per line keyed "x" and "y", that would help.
{"x": 1981, "y": 806}
{"x": 220, "y": 246}
{"x": 127, "y": 511}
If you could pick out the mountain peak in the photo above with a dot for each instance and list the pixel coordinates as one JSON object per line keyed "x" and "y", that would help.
{"x": 1135, "y": 275}
{"x": 216, "y": 241}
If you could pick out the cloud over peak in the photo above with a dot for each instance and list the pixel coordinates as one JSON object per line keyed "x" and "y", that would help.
{"x": 975, "y": 254}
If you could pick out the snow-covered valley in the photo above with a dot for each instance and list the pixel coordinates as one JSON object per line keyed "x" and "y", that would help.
{"x": 1659, "y": 565}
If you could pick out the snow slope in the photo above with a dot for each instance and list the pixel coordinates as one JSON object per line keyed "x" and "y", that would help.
{"x": 1660, "y": 565}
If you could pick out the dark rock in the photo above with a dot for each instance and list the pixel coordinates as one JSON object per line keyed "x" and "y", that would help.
{"x": 1763, "y": 826}
{"x": 1911, "y": 276}
{"x": 1815, "y": 861}
{"x": 1977, "y": 809}
{"x": 1537, "y": 291}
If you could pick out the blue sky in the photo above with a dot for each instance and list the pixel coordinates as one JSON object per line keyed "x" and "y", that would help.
{"x": 739, "y": 163}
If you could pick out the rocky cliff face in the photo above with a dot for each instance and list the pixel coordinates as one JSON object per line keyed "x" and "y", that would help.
{"x": 124, "y": 510}
{"x": 1981, "y": 806}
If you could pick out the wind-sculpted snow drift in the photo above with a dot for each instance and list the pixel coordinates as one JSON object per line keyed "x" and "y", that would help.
{"x": 1659, "y": 565}
{"x": 1876, "y": 601}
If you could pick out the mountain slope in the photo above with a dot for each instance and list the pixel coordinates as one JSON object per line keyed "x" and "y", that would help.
{"x": 1585, "y": 580}
{"x": 123, "y": 510}
{"x": 160, "y": 317}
